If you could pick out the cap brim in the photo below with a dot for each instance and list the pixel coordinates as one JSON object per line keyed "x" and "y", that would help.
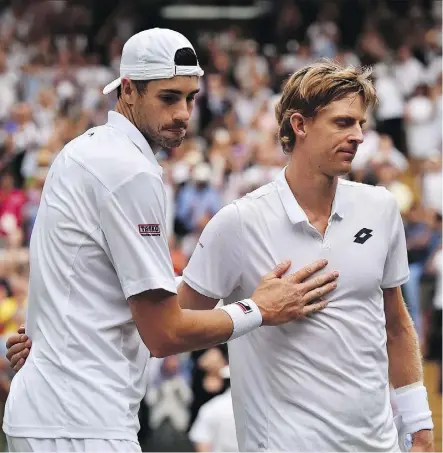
{"x": 112, "y": 86}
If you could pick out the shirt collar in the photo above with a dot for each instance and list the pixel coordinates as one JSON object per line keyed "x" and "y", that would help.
{"x": 120, "y": 122}
{"x": 294, "y": 210}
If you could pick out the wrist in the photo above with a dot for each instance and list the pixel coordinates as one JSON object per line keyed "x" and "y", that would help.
{"x": 424, "y": 438}
{"x": 412, "y": 405}
{"x": 421, "y": 433}
{"x": 245, "y": 316}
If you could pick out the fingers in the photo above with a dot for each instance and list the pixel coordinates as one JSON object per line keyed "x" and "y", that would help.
{"x": 318, "y": 281}
{"x": 19, "y": 365}
{"x": 317, "y": 306}
{"x": 17, "y": 347}
{"x": 307, "y": 271}
{"x": 278, "y": 270}
{"x": 18, "y": 360}
{"x": 16, "y": 338}
{"x": 319, "y": 292}
{"x": 21, "y": 329}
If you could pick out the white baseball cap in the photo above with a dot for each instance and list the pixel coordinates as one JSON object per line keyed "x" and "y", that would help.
{"x": 149, "y": 55}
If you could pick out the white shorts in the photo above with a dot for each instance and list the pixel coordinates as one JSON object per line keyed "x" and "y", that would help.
{"x": 20, "y": 444}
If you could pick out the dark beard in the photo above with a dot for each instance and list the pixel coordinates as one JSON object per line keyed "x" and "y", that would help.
{"x": 159, "y": 142}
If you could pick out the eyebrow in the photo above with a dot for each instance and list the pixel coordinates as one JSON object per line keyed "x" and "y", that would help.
{"x": 347, "y": 117}
{"x": 178, "y": 92}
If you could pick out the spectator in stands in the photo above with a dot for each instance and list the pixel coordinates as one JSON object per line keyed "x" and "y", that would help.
{"x": 418, "y": 239}
{"x": 409, "y": 72}
{"x": 214, "y": 428}
{"x": 12, "y": 202}
{"x": 435, "y": 267}
{"x": 206, "y": 380}
{"x": 420, "y": 114}
{"x": 198, "y": 201}
{"x": 387, "y": 153}
{"x": 390, "y": 110}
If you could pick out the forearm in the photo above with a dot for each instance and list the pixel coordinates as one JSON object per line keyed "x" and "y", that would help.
{"x": 406, "y": 372}
{"x": 405, "y": 365}
{"x": 198, "y": 329}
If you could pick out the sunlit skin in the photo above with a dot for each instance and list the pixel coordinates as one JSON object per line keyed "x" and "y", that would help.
{"x": 325, "y": 147}
{"x": 163, "y": 111}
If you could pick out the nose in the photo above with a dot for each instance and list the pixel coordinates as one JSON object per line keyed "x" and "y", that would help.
{"x": 182, "y": 113}
{"x": 357, "y": 135}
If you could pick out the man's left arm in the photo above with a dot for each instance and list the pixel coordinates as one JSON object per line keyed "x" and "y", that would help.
{"x": 405, "y": 366}
{"x": 406, "y": 371}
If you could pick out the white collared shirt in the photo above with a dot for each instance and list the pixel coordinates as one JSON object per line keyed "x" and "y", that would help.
{"x": 99, "y": 238}
{"x": 321, "y": 383}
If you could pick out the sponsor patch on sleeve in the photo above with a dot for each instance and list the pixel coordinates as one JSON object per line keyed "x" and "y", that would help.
{"x": 149, "y": 229}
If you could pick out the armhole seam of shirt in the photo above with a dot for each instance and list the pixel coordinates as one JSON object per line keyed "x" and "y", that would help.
{"x": 110, "y": 192}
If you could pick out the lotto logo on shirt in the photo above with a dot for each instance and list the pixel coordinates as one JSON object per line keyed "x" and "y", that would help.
{"x": 149, "y": 229}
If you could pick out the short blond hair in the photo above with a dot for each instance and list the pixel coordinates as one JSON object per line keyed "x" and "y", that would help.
{"x": 314, "y": 87}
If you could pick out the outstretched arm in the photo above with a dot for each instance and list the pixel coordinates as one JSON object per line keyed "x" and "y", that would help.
{"x": 406, "y": 371}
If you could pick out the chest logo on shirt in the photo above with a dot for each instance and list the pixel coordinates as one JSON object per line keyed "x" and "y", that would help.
{"x": 363, "y": 235}
{"x": 149, "y": 229}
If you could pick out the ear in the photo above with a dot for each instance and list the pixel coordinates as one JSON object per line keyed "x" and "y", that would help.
{"x": 298, "y": 123}
{"x": 128, "y": 91}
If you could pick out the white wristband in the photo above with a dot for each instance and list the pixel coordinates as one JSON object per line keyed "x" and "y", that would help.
{"x": 413, "y": 406}
{"x": 245, "y": 316}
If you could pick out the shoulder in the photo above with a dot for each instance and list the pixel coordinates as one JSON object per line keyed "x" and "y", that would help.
{"x": 366, "y": 195}
{"x": 265, "y": 195}
{"x": 256, "y": 199}
{"x": 111, "y": 158}
{"x": 226, "y": 218}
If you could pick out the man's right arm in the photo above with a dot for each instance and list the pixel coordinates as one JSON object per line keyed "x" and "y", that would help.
{"x": 132, "y": 221}
{"x": 168, "y": 329}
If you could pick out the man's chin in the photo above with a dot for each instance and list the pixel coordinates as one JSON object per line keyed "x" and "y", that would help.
{"x": 169, "y": 143}
{"x": 344, "y": 169}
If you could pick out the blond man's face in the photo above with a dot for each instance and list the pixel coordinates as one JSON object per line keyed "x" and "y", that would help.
{"x": 334, "y": 134}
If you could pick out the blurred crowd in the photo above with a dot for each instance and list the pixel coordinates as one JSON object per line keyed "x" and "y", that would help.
{"x": 53, "y": 66}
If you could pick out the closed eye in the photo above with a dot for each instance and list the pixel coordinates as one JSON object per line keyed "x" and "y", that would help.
{"x": 169, "y": 99}
{"x": 344, "y": 122}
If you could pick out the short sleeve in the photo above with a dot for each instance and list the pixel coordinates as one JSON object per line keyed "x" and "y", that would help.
{"x": 396, "y": 269}
{"x": 133, "y": 222}
{"x": 215, "y": 267}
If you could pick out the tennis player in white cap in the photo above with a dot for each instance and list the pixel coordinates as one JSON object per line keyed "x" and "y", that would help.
{"x": 102, "y": 290}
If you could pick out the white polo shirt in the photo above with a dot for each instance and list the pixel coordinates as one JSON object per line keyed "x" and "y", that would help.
{"x": 99, "y": 238}
{"x": 321, "y": 383}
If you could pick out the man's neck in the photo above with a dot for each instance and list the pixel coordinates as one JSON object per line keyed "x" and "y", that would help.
{"x": 313, "y": 191}
{"x": 124, "y": 110}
